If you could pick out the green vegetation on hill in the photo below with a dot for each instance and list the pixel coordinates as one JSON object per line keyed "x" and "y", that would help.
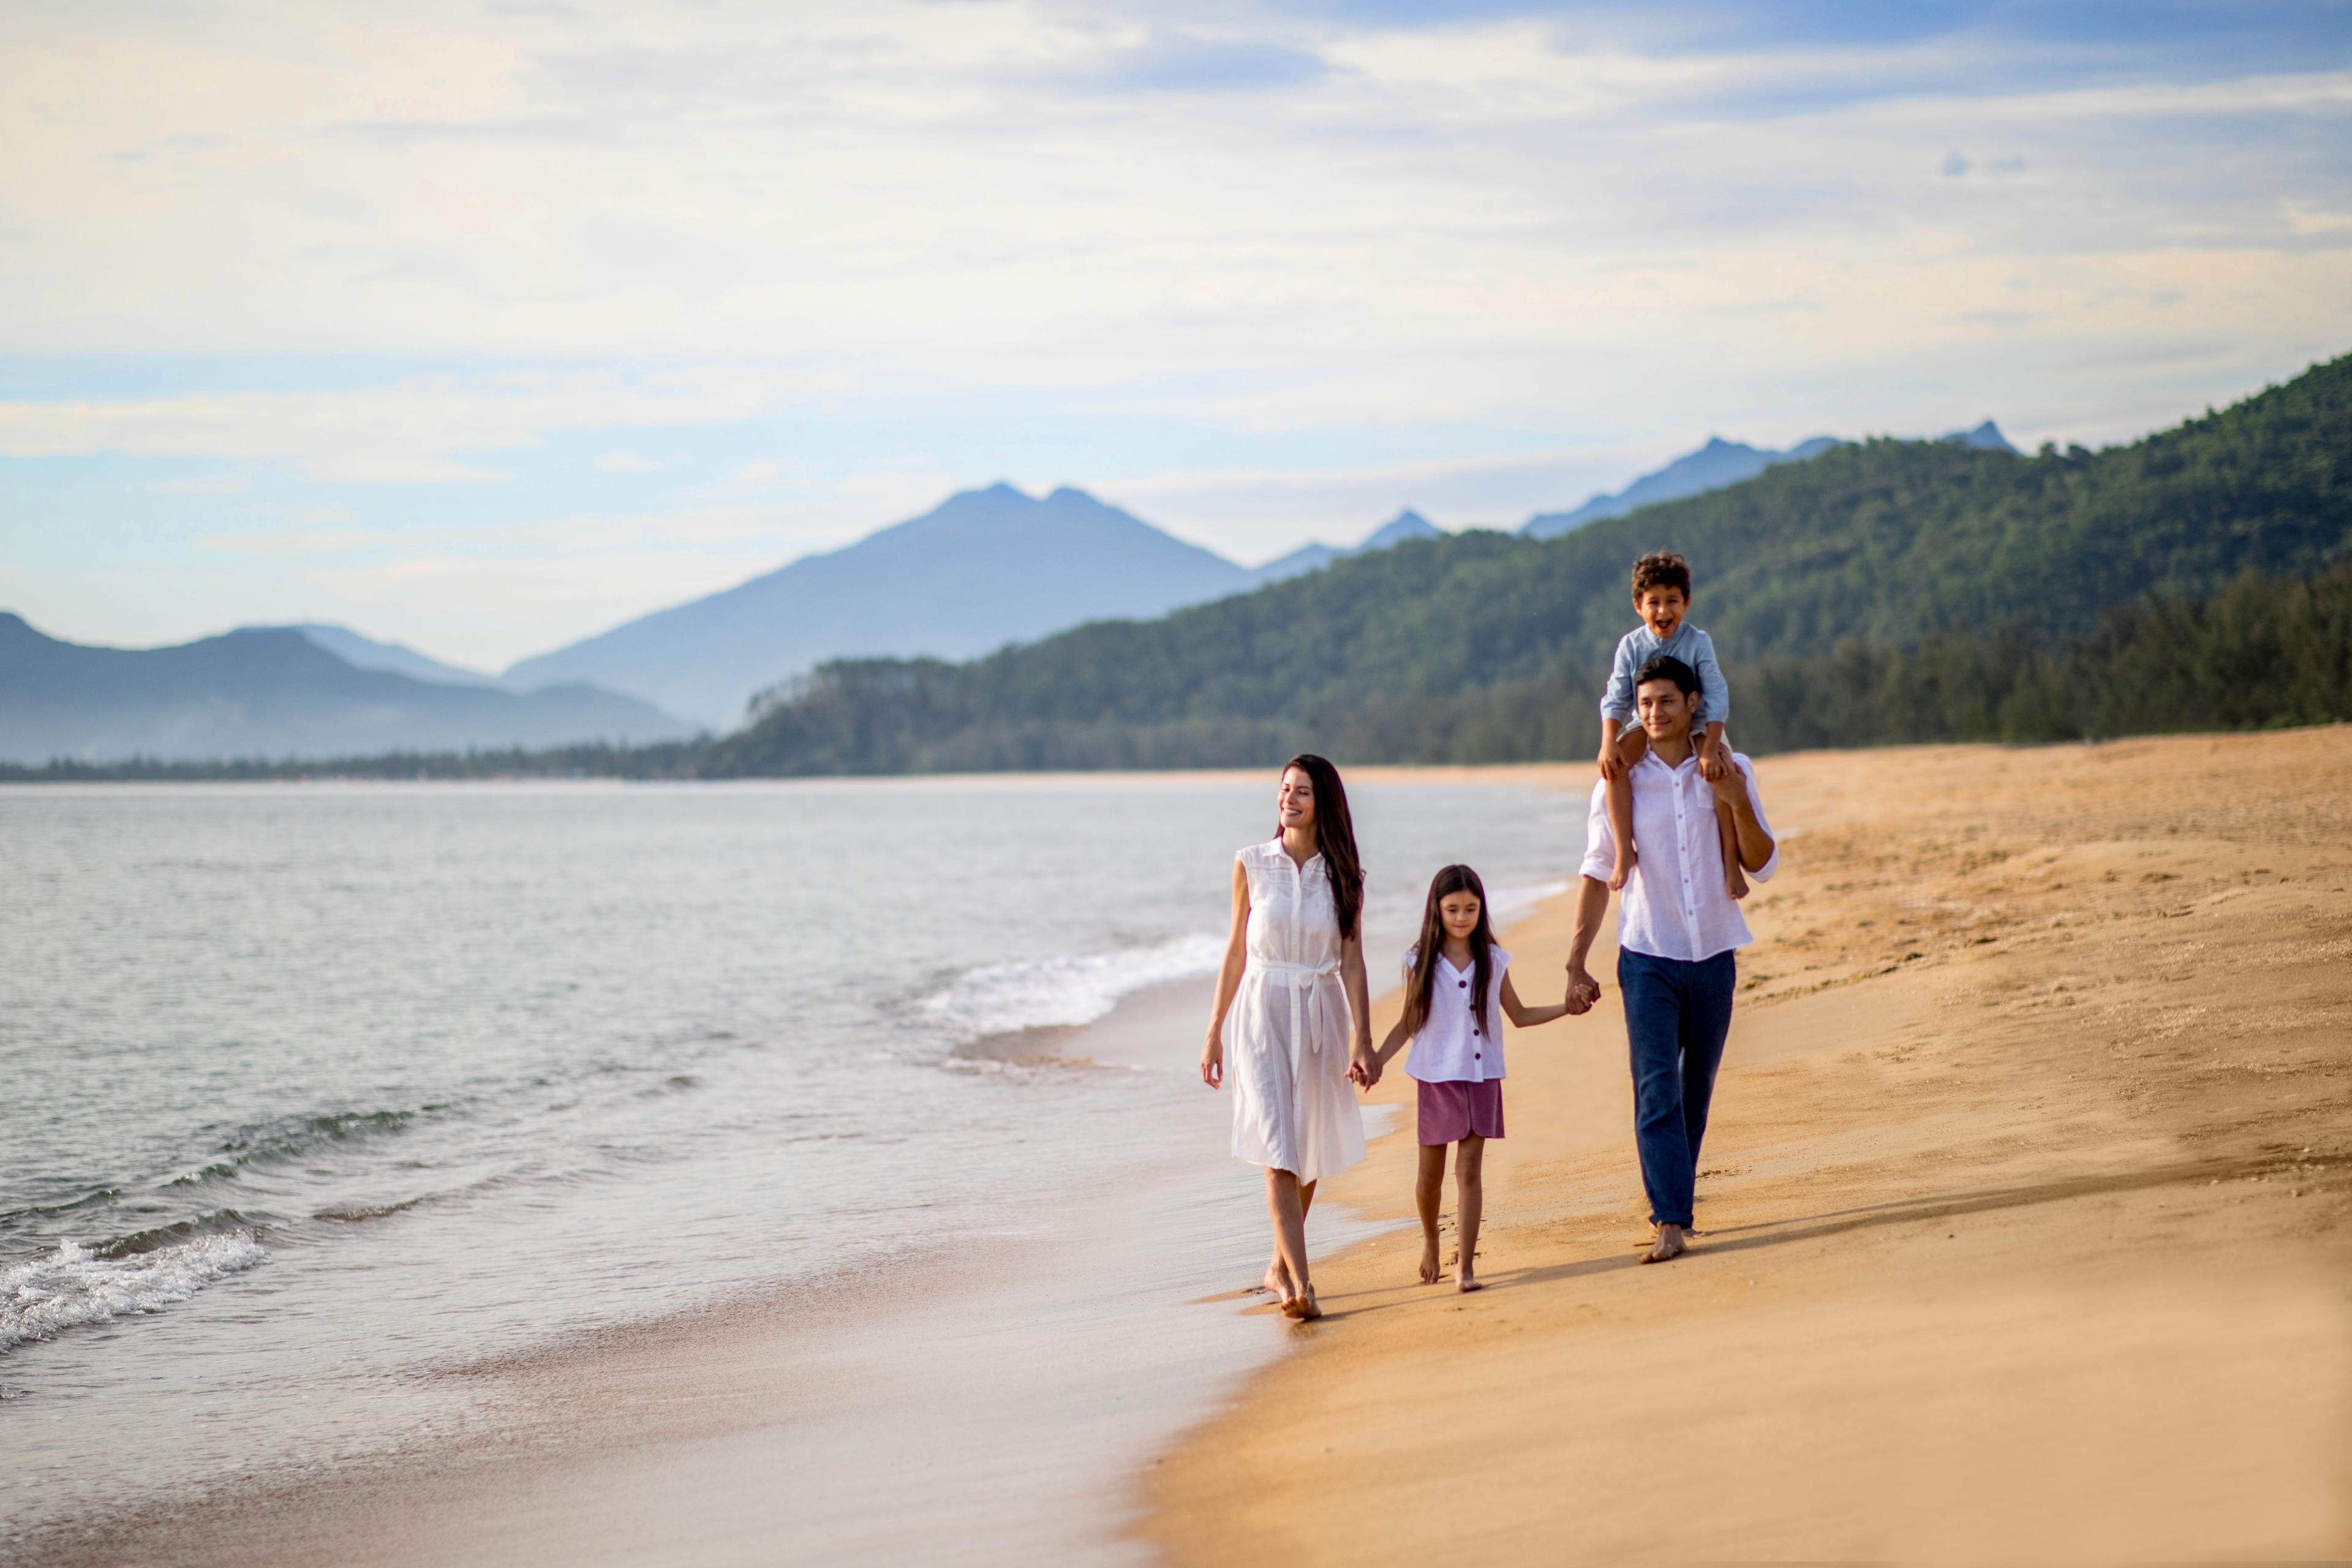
{"x": 1486, "y": 646}
{"x": 1881, "y": 592}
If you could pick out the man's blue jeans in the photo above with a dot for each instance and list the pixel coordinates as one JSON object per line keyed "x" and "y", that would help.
{"x": 1676, "y": 1016}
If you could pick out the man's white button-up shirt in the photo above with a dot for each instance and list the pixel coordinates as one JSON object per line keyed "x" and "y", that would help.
{"x": 1677, "y": 903}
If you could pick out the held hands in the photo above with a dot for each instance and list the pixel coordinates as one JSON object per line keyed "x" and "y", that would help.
{"x": 1364, "y": 1066}
{"x": 1714, "y": 766}
{"x": 1612, "y": 767}
{"x": 1730, "y": 786}
{"x": 1583, "y": 990}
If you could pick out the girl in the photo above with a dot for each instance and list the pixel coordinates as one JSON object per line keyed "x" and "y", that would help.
{"x": 1290, "y": 997}
{"x": 1455, "y": 980}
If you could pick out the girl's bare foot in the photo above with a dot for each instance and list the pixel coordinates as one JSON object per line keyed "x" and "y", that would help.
{"x": 1302, "y": 1306}
{"x": 1668, "y": 1246}
{"x": 1276, "y": 1283}
{"x": 1430, "y": 1267}
{"x": 1627, "y": 859}
{"x": 1466, "y": 1282}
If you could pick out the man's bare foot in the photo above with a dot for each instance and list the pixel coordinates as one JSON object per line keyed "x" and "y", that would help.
{"x": 1626, "y": 860}
{"x": 1669, "y": 1245}
{"x": 1430, "y": 1267}
{"x": 1301, "y": 1307}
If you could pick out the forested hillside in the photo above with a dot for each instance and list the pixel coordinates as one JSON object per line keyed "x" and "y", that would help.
{"x": 1487, "y": 645}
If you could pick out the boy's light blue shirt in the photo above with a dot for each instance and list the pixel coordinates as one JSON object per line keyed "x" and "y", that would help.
{"x": 1690, "y": 645}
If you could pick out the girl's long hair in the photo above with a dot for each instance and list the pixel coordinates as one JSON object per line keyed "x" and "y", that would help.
{"x": 1335, "y": 838}
{"x": 1421, "y": 964}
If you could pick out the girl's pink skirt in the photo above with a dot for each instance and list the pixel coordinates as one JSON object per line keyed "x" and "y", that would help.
{"x": 1449, "y": 1112}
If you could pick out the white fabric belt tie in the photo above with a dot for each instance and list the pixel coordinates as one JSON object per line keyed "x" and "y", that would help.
{"x": 1306, "y": 1001}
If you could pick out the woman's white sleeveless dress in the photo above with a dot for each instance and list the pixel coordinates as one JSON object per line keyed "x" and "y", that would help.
{"x": 1286, "y": 1033}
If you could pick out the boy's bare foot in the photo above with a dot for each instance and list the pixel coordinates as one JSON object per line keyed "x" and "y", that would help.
{"x": 1301, "y": 1307}
{"x": 1668, "y": 1247}
{"x": 1429, "y": 1267}
{"x": 1626, "y": 860}
{"x": 1735, "y": 880}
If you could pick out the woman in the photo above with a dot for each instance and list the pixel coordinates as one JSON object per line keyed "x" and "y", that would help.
{"x": 1289, "y": 998}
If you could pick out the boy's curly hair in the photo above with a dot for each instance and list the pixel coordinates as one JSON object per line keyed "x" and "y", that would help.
{"x": 1660, "y": 569}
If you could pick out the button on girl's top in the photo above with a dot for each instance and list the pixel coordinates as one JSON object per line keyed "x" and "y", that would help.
{"x": 1452, "y": 1046}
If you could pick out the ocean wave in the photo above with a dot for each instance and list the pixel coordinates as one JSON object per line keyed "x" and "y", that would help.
{"x": 290, "y": 1136}
{"x": 1064, "y": 993}
{"x": 76, "y": 1285}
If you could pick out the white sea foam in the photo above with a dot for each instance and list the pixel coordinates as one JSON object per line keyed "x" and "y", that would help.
{"x": 1063, "y": 992}
{"x": 73, "y": 1285}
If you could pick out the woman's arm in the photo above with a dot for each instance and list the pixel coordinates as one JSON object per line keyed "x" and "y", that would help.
{"x": 1359, "y": 1000}
{"x": 1522, "y": 1015}
{"x": 1229, "y": 980}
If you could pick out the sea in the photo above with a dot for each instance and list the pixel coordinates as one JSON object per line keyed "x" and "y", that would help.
{"x": 318, "y": 1091}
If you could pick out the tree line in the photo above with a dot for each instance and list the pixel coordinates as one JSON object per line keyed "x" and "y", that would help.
{"x": 1884, "y": 591}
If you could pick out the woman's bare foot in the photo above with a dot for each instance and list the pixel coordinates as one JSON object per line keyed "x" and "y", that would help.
{"x": 1627, "y": 859}
{"x": 1669, "y": 1245}
{"x": 1302, "y": 1306}
{"x": 1466, "y": 1282}
{"x": 1430, "y": 1267}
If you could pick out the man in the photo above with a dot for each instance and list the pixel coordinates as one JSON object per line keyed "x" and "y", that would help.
{"x": 1678, "y": 932}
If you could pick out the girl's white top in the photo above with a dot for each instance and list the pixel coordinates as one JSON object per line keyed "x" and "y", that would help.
{"x": 1286, "y": 1035}
{"x": 1453, "y": 1047}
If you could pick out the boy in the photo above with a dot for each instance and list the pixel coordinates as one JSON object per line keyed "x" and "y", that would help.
{"x": 1662, "y": 595}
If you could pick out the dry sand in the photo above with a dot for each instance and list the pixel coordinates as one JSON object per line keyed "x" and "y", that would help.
{"x": 2024, "y": 1211}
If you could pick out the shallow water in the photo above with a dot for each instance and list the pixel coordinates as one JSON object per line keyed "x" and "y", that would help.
{"x": 315, "y": 1087}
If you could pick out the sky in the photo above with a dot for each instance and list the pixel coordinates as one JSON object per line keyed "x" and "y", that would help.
{"x": 484, "y": 327}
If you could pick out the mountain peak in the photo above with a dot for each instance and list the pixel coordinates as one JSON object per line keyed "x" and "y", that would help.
{"x": 1713, "y": 466}
{"x": 1985, "y": 437}
{"x": 1406, "y": 524}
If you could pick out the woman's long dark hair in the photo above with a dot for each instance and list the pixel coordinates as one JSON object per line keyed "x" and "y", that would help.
{"x": 1420, "y": 967}
{"x": 1335, "y": 838}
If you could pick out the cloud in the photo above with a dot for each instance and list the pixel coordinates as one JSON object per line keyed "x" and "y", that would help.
{"x": 1179, "y": 64}
{"x": 416, "y": 430}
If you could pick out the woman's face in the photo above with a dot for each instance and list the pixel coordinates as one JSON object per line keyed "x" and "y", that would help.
{"x": 1295, "y": 806}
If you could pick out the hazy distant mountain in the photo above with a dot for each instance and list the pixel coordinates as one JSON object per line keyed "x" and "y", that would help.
{"x": 273, "y": 693}
{"x": 1986, "y": 436}
{"x": 1406, "y": 524}
{"x": 1712, "y": 467}
{"x": 985, "y": 568}
{"x": 366, "y": 653}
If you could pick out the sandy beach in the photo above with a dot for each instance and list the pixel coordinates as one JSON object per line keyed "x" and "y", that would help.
{"x": 2024, "y": 1212}
{"x": 2023, "y": 1236}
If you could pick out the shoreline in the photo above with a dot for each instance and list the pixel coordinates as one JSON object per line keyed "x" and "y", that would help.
{"x": 1119, "y": 1272}
{"x": 2031, "y": 1164}
{"x": 1027, "y": 1375}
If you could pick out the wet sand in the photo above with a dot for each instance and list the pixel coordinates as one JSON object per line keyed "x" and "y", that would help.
{"x": 987, "y": 1403}
{"x": 2024, "y": 1210}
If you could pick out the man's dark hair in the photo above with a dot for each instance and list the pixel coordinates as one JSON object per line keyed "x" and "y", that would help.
{"x": 1666, "y": 667}
{"x": 1660, "y": 569}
